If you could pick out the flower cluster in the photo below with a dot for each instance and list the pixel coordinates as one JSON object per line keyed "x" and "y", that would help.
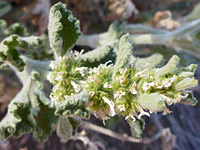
{"x": 66, "y": 77}
{"x": 130, "y": 92}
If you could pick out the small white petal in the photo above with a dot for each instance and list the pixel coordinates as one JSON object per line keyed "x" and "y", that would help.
{"x": 106, "y": 85}
{"x": 119, "y": 94}
{"x": 76, "y": 87}
{"x": 111, "y": 105}
{"x": 133, "y": 88}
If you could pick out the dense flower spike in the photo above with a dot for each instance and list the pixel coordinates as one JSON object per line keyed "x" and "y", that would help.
{"x": 107, "y": 81}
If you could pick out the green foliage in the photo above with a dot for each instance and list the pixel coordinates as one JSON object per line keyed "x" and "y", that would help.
{"x": 137, "y": 126}
{"x": 86, "y": 83}
{"x": 64, "y": 29}
{"x": 123, "y": 53}
{"x": 99, "y": 55}
{"x": 9, "y": 49}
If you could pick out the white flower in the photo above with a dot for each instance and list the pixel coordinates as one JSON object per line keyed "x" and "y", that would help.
{"x": 76, "y": 87}
{"x": 166, "y": 111}
{"x": 58, "y": 97}
{"x": 52, "y": 65}
{"x": 119, "y": 94}
{"x": 133, "y": 88}
{"x": 155, "y": 85}
{"x": 130, "y": 116}
{"x": 81, "y": 70}
{"x": 111, "y": 105}
{"x": 123, "y": 71}
{"x": 167, "y": 82}
{"x": 91, "y": 94}
{"x": 142, "y": 112}
{"x": 141, "y": 73}
{"x": 180, "y": 97}
{"x": 91, "y": 78}
{"x": 146, "y": 86}
{"x": 59, "y": 76}
{"x": 121, "y": 107}
{"x": 121, "y": 79}
{"x": 50, "y": 77}
{"x": 168, "y": 100}
{"x": 106, "y": 85}
{"x": 57, "y": 87}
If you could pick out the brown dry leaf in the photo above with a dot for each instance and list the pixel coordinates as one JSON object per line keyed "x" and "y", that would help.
{"x": 38, "y": 13}
{"x": 120, "y": 10}
{"x": 163, "y": 19}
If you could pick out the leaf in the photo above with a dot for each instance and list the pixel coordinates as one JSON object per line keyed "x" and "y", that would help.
{"x": 113, "y": 34}
{"x": 9, "y": 46}
{"x": 29, "y": 111}
{"x": 170, "y": 68}
{"x": 64, "y": 128}
{"x": 64, "y": 29}
{"x": 152, "y": 101}
{"x": 4, "y": 8}
{"x": 124, "y": 53}
{"x": 16, "y": 28}
{"x": 18, "y": 119}
{"x": 74, "y": 106}
{"x": 137, "y": 126}
{"x": 44, "y": 119}
{"x": 98, "y": 56}
{"x": 154, "y": 61}
{"x": 184, "y": 84}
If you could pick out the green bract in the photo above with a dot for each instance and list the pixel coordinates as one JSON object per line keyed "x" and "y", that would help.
{"x": 106, "y": 81}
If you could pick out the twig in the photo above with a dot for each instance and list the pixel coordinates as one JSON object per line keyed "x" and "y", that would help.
{"x": 124, "y": 137}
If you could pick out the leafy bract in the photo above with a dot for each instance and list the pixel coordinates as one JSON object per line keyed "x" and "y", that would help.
{"x": 75, "y": 106}
{"x": 99, "y": 55}
{"x": 123, "y": 53}
{"x": 64, "y": 29}
{"x": 137, "y": 126}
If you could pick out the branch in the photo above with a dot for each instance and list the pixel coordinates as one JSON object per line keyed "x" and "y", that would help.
{"x": 124, "y": 137}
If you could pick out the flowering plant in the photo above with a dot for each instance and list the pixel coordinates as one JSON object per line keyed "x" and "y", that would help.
{"x": 106, "y": 81}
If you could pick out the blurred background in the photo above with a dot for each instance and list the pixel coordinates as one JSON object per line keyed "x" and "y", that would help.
{"x": 179, "y": 130}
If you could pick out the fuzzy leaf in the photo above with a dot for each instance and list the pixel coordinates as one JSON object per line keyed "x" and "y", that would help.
{"x": 29, "y": 111}
{"x": 74, "y": 106}
{"x": 190, "y": 100}
{"x": 170, "y": 67}
{"x": 95, "y": 57}
{"x": 16, "y": 28}
{"x": 64, "y": 128}
{"x": 64, "y": 29}
{"x": 155, "y": 60}
{"x": 113, "y": 34}
{"x": 4, "y": 8}
{"x": 137, "y": 127}
{"x": 152, "y": 101}
{"x": 44, "y": 118}
{"x": 9, "y": 46}
{"x": 185, "y": 84}
{"x": 124, "y": 53}
{"x": 18, "y": 119}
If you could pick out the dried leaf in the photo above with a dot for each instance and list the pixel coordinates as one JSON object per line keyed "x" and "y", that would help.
{"x": 120, "y": 10}
{"x": 163, "y": 19}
